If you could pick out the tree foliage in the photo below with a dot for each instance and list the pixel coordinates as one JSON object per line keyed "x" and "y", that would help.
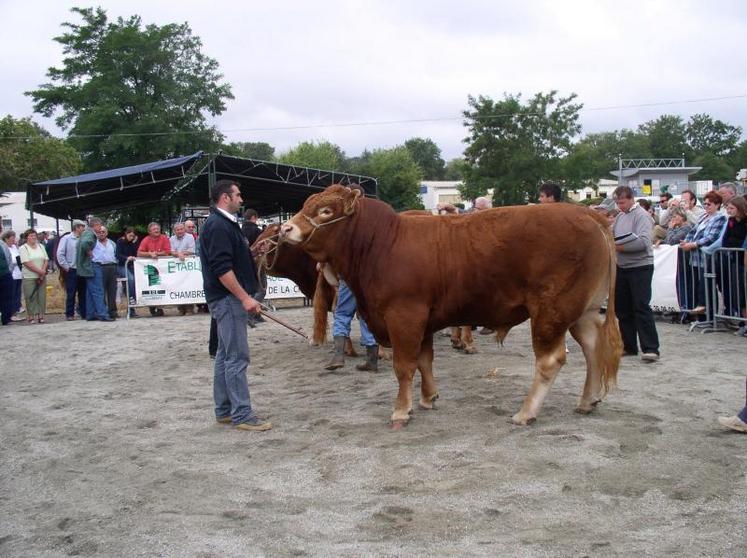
{"x": 251, "y": 150}
{"x": 706, "y": 135}
{"x": 513, "y": 146}
{"x": 454, "y": 169}
{"x": 130, "y": 93}
{"x": 323, "y": 155}
{"x": 667, "y": 136}
{"x": 427, "y": 155}
{"x": 28, "y": 153}
{"x": 398, "y": 177}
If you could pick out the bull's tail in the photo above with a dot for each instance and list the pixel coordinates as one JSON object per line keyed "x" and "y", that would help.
{"x": 609, "y": 344}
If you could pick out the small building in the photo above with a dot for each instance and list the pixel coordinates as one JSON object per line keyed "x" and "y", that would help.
{"x": 433, "y": 192}
{"x": 648, "y": 180}
{"x": 16, "y": 217}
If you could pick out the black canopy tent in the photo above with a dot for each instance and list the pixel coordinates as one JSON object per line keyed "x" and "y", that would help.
{"x": 267, "y": 187}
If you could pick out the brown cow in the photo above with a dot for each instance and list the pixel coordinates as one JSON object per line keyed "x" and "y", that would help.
{"x": 552, "y": 264}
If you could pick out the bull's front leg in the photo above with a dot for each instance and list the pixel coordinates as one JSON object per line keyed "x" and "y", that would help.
{"x": 405, "y": 364}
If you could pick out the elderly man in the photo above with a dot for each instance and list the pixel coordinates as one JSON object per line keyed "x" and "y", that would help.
{"x": 95, "y": 308}
{"x": 191, "y": 228}
{"x": 105, "y": 269}
{"x": 153, "y": 246}
{"x": 182, "y": 245}
{"x": 74, "y": 285}
{"x": 728, "y": 191}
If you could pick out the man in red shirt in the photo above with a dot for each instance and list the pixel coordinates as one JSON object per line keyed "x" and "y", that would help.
{"x": 153, "y": 246}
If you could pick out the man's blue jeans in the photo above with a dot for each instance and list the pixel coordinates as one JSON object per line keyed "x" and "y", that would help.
{"x": 95, "y": 307}
{"x": 230, "y": 386}
{"x": 344, "y": 313}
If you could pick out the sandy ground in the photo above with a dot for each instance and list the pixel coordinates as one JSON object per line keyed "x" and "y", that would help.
{"x": 108, "y": 448}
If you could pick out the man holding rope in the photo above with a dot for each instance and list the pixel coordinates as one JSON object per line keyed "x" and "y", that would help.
{"x": 229, "y": 275}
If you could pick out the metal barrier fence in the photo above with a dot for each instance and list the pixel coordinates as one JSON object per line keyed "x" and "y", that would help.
{"x": 714, "y": 288}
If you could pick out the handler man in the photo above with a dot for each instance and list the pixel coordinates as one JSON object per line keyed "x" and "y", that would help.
{"x": 229, "y": 276}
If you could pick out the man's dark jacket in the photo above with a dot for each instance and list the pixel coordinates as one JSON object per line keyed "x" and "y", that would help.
{"x": 251, "y": 231}
{"x": 224, "y": 248}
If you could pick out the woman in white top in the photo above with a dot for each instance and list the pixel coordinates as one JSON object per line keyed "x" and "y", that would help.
{"x": 34, "y": 259}
{"x": 9, "y": 237}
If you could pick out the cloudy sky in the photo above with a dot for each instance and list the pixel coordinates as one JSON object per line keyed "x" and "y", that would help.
{"x": 362, "y": 74}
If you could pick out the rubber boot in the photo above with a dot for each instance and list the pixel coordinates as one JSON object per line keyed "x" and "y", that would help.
{"x": 338, "y": 360}
{"x": 372, "y": 360}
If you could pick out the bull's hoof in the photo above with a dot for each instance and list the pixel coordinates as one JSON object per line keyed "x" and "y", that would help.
{"x": 470, "y": 350}
{"x": 520, "y": 420}
{"x": 429, "y": 405}
{"x": 398, "y": 424}
{"x": 584, "y": 410}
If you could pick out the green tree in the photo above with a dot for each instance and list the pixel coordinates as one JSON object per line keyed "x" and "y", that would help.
{"x": 706, "y": 135}
{"x": 667, "y": 137}
{"x": 258, "y": 150}
{"x": 714, "y": 168}
{"x": 398, "y": 177}
{"x": 323, "y": 155}
{"x": 130, "y": 93}
{"x": 428, "y": 157}
{"x": 28, "y": 153}
{"x": 455, "y": 169}
{"x": 513, "y": 146}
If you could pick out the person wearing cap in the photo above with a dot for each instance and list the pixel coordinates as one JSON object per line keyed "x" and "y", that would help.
{"x": 74, "y": 285}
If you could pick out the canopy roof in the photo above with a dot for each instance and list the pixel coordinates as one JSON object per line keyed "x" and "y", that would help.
{"x": 265, "y": 186}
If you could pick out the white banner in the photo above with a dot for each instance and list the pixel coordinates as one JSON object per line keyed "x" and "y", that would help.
{"x": 164, "y": 281}
{"x": 664, "y": 283}
{"x": 278, "y": 287}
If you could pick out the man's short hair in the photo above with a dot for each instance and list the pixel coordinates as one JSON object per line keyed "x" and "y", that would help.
{"x": 729, "y": 186}
{"x": 692, "y": 194}
{"x": 251, "y": 213}
{"x": 551, "y": 190}
{"x": 666, "y": 195}
{"x": 7, "y": 234}
{"x": 93, "y": 221}
{"x": 221, "y": 187}
{"x": 623, "y": 192}
{"x": 152, "y": 223}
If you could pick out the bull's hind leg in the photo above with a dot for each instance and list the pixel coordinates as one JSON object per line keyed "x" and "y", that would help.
{"x": 549, "y": 351}
{"x": 586, "y": 331}
{"x": 428, "y": 389}
{"x": 468, "y": 341}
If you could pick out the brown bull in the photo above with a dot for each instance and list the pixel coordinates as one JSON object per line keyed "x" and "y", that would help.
{"x": 291, "y": 262}
{"x": 554, "y": 265}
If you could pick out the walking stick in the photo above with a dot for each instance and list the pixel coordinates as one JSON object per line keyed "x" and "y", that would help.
{"x": 267, "y": 314}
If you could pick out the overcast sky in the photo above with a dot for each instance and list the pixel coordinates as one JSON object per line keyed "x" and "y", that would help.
{"x": 308, "y": 64}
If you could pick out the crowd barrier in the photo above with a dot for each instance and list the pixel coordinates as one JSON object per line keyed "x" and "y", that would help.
{"x": 713, "y": 287}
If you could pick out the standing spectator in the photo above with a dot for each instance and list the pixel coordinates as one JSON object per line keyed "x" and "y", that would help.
{"x": 730, "y": 276}
{"x": 635, "y": 269}
{"x": 126, "y": 254}
{"x": 706, "y": 232}
{"x": 50, "y": 245}
{"x": 229, "y": 275}
{"x": 191, "y": 228}
{"x": 67, "y": 250}
{"x": 182, "y": 245}
{"x": 550, "y": 192}
{"x": 153, "y": 246}
{"x": 728, "y": 191}
{"x": 95, "y": 308}
{"x": 6, "y": 282}
{"x": 105, "y": 270}
{"x": 16, "y": 270}
{"x": 689, "y": 203}
{"x": 34, "y": 259}
{"x": 663, "y": 215}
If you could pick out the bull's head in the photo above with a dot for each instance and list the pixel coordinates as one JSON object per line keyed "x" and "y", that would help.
{"x": 320, "y": 216}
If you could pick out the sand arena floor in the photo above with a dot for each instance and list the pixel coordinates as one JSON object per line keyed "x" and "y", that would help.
{"x": 109, "y": 448}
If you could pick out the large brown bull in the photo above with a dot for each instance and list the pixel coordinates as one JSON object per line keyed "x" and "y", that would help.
{"x": 554, "y": 265}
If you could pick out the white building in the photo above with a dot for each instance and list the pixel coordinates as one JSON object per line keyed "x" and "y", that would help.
{"x": 433, "y": 192}
{"x": 16, "y": 217}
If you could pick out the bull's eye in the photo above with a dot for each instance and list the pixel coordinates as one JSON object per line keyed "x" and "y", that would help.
{"x": 325, "y": 212}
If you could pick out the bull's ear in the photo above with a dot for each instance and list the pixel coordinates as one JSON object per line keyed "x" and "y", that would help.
{"x": 350, "y": 200}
